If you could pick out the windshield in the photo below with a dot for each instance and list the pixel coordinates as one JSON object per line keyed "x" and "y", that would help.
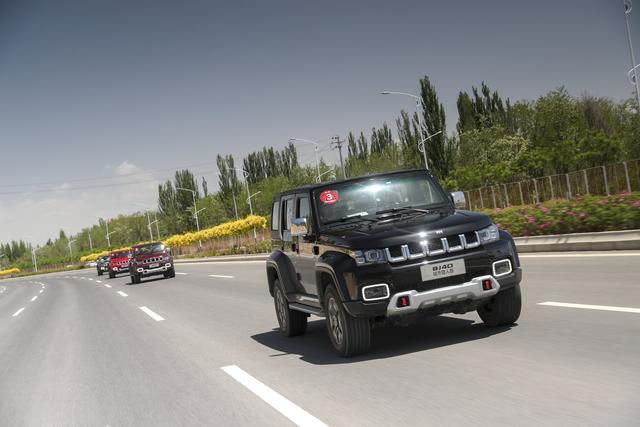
{"x": 121, "y": 254}
{"x": 148, "y": 248}
{"x": 368, "y": 197}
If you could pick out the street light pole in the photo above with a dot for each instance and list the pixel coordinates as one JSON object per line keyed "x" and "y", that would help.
{"x": 628, "y": 6}
{"x": 315, "y": 149}
{"x": 106, "y": 223}
{"x": 195, "y": 209}
{"x": 69, "y": 242}
{"x": 422, "y": 147}
{"x": 338, "y": 143}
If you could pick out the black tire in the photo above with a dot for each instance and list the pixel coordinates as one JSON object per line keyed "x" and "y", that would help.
{"x": 291, "y": 322}
{"x": 171, "y": 273}
{"x": 349, "y": 335}
{"x": 99, "y": 273}
{"x": 135, "y": 279}
{"x": 503, "y": 309}
{"x": 112, "y": 275}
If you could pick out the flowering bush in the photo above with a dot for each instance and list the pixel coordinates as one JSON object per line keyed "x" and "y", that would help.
{"x": 96, "y": 255}
{"x": 581, "y": 215}
{"x": 9, "y": 271}
{"x": 228, "y": 229}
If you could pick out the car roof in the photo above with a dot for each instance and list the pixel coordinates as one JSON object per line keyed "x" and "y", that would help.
{"x": 146, "y": 244}
{"x": 310, "y": 187}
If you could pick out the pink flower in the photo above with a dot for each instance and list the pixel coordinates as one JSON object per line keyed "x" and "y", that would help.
{"x": 634, "y": 204}
{"x": 582, "y": 216}
{"x": 544, "y": 210}
{"x": 570, "y": 213}
{"x": 530, "y": 220}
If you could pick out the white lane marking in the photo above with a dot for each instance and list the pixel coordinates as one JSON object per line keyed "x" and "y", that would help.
{"x": 34, "y": 298}
{"x": 222, "y": 276}
{"x": 90, "y": 279}
{"x": 17, "y": 312}
{"x": 41, "y": 291}
{"x": 107, "y": 285}
{"x": 277, "y": 401}
{"x": 591, "y": 307}
{"x": 587, "y": 255}
{"x": 181, "y": 273}
{"x": 155, "y": 316}
{"x": 98, "y": 281}
{"x": 204, "y": 263}
{"x": 123, "y": 294}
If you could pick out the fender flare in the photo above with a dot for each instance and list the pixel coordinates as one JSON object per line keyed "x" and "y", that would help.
{"x": 279, "y": 267}
{"x": 334, "y": 264}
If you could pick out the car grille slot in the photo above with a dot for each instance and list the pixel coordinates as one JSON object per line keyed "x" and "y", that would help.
{"x": 150, "y": 260}
{"x": 433, "y": 247}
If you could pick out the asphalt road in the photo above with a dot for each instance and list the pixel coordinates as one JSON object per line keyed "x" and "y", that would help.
{"x": 86, "y": 354}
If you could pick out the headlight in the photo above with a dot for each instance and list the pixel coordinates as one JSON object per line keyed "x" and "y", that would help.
{"x": 369, "y": 256}
{"x": 489, "y": 234}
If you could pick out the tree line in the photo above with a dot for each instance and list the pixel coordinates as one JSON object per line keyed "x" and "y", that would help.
{"x": 494, "y": 141}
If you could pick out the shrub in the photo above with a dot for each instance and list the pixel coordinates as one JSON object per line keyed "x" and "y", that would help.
{"x": 580, "y": 215}
{"x": 9, "y": 272}
{"x": 227, "y": 229}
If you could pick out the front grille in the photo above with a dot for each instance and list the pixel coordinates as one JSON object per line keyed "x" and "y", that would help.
{"x": 433, "y": 247}
{"x": 150, "y": 260}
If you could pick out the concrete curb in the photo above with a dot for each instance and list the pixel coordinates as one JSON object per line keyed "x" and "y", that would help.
{"x": 602, "y": 241}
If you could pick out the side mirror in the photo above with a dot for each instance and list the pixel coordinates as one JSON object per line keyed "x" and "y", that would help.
{"x": 299, "y": 227}
{"x": 458, "y": 199}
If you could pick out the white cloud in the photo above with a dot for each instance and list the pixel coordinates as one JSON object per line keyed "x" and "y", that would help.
{"x": 126, "y": 168}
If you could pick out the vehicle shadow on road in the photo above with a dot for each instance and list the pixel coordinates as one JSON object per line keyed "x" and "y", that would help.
{"x": 390, "y": 341}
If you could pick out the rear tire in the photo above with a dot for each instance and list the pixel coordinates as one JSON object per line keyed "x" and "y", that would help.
{"x": 349, "y": 335}
{"x": 291, "y": 322}
{"x": 99, "y": 273}
{"x": 503, "y": 309}
{"x": 112, "y": 275}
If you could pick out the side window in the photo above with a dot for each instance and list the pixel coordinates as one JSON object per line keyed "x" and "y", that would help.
{"x": 275, "y": 216}
{"x": 303, "y": 208}
{"x": 287, "y": 214}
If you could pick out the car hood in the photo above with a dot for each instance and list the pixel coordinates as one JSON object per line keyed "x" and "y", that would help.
{"x": 371, "y": 235}
{"x": 119, "y": 259}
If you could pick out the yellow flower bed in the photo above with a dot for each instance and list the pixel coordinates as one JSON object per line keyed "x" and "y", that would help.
{"x": 228, "y": 229}
{"x": 9, "y": 271}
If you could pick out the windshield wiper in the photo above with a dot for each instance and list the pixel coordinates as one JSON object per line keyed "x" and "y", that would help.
{"x": 360, "y": 216}
{"x": 404, "y": 209}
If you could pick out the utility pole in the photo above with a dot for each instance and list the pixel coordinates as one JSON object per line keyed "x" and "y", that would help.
{"x": 90, "y": 242}
{"x": 628, "y": 6}
{"x": 335, "y": 140}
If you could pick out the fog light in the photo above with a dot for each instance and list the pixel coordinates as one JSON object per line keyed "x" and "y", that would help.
{"x": 487, "y": 284}
{"x": 501, "y": 268}
{"x": 375, "y": 292}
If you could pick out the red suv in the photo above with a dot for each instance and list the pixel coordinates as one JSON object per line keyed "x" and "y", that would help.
{"x": 150, "y": 259}
{"x": 119, "y": 262}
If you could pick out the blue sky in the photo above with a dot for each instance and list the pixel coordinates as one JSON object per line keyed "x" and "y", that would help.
{"x": 102, "y": 89}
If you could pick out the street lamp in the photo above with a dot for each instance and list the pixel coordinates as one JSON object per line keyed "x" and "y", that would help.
{"x": 106, "y": 223}
{"x": 628, "y": 6}
{"x": 147, "y": 209}
{"x": 423, "y": 149}
{"x": 195, "y": 209}
{"x": 70, "y": 250}
{"x": 315, "y": 149}
{"x": 329, "y": 171}
{"x": 34, "y": 257}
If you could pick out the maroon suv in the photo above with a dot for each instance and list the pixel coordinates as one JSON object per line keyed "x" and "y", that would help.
{"x": 150, "y": 259}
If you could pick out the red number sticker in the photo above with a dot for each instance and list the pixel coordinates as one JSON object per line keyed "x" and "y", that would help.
{"x": 329, "y": 197}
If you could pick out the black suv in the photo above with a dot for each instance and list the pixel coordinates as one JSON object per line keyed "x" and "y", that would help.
{"x": 386, "y": 248}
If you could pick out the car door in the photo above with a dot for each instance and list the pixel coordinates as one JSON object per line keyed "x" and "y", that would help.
{"x": 305, "y": 258}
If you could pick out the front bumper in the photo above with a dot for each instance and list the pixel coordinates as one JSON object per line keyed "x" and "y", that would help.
{"x": 121, "y": 269}
{"x": 471, "y": 290}
{"x": 152, "y": 271}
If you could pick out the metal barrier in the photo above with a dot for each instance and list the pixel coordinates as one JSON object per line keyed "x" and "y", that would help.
{"x": 601, "y": 180}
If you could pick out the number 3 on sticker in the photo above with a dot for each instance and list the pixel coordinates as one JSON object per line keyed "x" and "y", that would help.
{"x": 329, "y": 197}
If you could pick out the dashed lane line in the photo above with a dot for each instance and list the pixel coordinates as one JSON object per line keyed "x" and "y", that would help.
{"x": 221, "y": 276}
{"x": 277, "y": 401}
{"x": 17, "y": 313}
{"x": 123, "y": 294}
{"x": 41, "y": 291}
{"x": 155, "y": 316}
{"x": 591, "y": 307}
{"x": 34, "y": 298}
{"x": 181, "y": 273}
{"x": 107, "y": 285}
